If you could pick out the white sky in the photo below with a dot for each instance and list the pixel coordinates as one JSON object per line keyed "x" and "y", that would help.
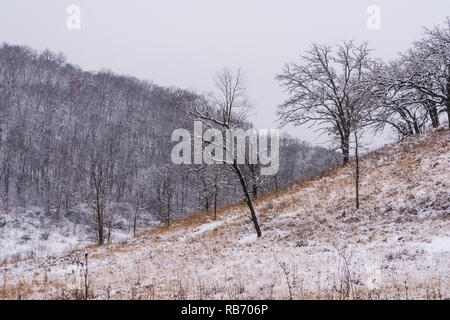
{"x": 184, "y": 43}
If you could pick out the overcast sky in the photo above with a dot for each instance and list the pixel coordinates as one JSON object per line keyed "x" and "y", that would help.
{"x": 184, "y": 43}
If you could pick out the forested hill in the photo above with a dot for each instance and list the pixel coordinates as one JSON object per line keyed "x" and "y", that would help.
{"x": 61, "y": 127}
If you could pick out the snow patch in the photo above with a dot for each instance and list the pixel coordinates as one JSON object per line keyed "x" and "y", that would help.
{"x": 439, "y": 244}
{"x": 247, "y": 238}
{"x": 207, "y": 227}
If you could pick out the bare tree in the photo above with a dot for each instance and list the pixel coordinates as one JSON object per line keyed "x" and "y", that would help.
{"x": 202, "y": 173}
{"x": 165, "y": 195}
{"x": 141, "y": 193}
{"x": 357, "y": 138}
{"x": 111, "y": 211}
{"x": 97, "y": 197}
{"x": 394, "y": 104}
{"x": 325, "y": 89}
{"x": 226, "y": 110}
{"x": 357, "y": 170}
{"x": 218, "y": 180}
{"x": 428, "y": 63}
{"x": 139, "y": 207}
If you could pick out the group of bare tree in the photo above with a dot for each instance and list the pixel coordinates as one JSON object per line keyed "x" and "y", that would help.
{"x": 413, "y": 90}
{"x": 346, "y": 90}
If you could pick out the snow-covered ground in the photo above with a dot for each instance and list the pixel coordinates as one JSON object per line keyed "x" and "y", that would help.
{"x": 31, "y": 232}
{"x": 28, "y": 234}
{"x": 315, "y": 244}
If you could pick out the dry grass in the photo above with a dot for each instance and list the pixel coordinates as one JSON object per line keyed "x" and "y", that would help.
{"x": 184, "y": 262}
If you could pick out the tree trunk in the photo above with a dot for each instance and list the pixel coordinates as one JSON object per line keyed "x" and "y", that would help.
{"x": 109, "y": 231}
{"x": 447, "y": 103}
{"x": 100, "y": 236}
{"x": 100, "y": 230}
{"x": 86, "y": 275}
{"x": 183, "y": 192}
{"x": 58, "y": 208}
{"x": 6, "y": 179}
{"x": 448, "y": 112}
{"x": 254, "y": 183}
{"x": 169, "y": 199}
{"x": 434, "y": 116}
{"x": 215, "y": 205}
{"x": 357, "y": 171}
{"x": 134, "y": 223}
{"x": 255, "y": 190}
{"x": 345, "y": 148}
{"x": 416, "y": 127}
{"x": 247, "y": 199}
{"x": 101, "y": 239}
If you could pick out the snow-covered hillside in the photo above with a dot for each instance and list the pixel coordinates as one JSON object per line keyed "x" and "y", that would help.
{"x": 314, "y": 245}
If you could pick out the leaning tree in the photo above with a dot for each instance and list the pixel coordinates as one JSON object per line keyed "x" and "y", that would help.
{"x": 225, "y": 111}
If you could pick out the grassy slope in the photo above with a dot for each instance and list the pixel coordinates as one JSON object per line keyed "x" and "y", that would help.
{"x": 314, "y": 245}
